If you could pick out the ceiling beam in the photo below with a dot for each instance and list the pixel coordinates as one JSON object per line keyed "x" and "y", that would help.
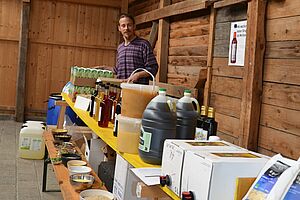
{"x": 171, "y": 10}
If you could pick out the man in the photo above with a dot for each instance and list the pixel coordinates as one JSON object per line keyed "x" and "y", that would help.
{"x": 134, "y": 53}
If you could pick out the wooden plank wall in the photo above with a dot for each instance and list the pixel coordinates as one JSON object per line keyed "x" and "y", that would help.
{"x": 61, "y": 35}
{"x": 280, "y": 111}
{"x": 9, "y": 38}
{"x": 226, "y": 87}
{"x": 188, "y": 42}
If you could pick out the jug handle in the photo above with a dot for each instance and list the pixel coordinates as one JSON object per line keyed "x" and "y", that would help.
{"x": 171, "y": 105}
{"x": 197, "y": 104}
{"x": 153, "y": 82}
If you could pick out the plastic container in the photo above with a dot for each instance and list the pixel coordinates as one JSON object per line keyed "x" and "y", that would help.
{"x": 186, "y": 116}
{"x": 53, "y": 110}
{"x": 135, "y": 97}
{"x": 158, "y": 124}
{"x": 128, "y": 134}
{"x": 31, "y": 143}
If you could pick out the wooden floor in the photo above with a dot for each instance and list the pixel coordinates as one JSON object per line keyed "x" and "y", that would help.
{"x": 21, "y": 179}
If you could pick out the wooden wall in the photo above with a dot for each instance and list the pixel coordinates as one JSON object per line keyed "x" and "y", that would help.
{"x": 226, "y": 85}
{"x": 188, "y": 42}
{"x": 63, "y": 34}
{"x": 279, "y": 129}
{"x": 9, "y": 38}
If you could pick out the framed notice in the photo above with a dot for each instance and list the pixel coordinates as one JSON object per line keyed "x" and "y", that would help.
{"x": 237, "y": 44}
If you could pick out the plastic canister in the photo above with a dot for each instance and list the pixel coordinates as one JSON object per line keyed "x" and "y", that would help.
{"x": 31, "y": 143}
{"x": 135, "y": 97}
{"x": 158, "y": 124}
{"x": 128, "y": 134}
{"x": 186, "y": 116}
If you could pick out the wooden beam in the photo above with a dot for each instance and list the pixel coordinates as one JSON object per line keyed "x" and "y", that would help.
{"x": 106, "y": 3}
{"x": 252, "y": 82}
{"x": 66, "y": 44}
{"x": 153, "y": 34}
{"x": 210, "y": 54}
{"x": 171, "y": 10}
{"x": 224, "y": 3}
{"x": 163, "y": 48}
{"x": 124, "y": 7}
{"x": 22, "y": 61}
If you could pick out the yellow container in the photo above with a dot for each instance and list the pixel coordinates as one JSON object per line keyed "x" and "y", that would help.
{"x": 31, "y": 143}
{"x": 128, "y": 134}
{"x": 135, "y": 98}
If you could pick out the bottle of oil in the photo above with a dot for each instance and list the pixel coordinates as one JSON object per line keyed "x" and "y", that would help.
{"x": 93, "y": 102}
{"x": 98, "y": 99}
{"x": 200, "y": 133}
{"x": 105, "y": 107}
{"x": 158, "y": 124}
{"x": 186, "y": 116}
{"x": 210, "y": 125}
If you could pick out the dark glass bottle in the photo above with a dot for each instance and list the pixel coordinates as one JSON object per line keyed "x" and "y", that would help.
{"x": 210, "y": 125}
{"x": 200, "y": 134}
{"x": 93, "y": 97}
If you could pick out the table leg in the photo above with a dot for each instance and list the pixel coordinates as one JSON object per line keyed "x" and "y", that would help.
{"x": 45, "y": 170}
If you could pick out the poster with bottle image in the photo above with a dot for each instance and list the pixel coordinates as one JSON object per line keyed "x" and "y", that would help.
{"x": 237, "y": 44}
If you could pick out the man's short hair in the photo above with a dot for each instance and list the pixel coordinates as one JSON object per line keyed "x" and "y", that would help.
{"x": 123, "y": 15}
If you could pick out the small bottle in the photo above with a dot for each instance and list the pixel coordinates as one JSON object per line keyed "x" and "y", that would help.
{"x": 200, "y": 134}
{"x": 93, "y": 101}
{"x": 210, "y": 125}
{"x": 105, "y": 109}
{"x": 233, "y": 49}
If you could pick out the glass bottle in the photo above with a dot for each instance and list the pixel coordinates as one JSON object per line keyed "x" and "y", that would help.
{"x": 105, "y": 109}
{"x": 233, "y": 49}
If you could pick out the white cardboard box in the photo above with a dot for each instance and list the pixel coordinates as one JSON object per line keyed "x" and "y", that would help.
{"x": 125, "y": 181}
{"x": 96, "y": 155}
{"x": 173, "y": 157}
{"x": 212, "y": 175}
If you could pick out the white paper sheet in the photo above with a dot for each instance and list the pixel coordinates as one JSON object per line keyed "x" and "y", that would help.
{"x": 150, "y": 176}
{"x": 82, "y": 103}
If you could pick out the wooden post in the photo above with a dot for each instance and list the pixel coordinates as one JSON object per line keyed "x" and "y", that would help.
{"x": 163, "y": 48}
{"x": 252, "y": 82}
{"x": 23, "y": 44}
{"x": 124, "y": 7}
{"x": 210, "y": 54}
{"x": 153, "y": 34}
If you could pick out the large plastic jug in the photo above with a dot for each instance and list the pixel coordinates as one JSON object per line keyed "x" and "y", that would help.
{"x": 31, "y": 143}
{"x": 186, "y": 116}
{"x": 158, "y": 124}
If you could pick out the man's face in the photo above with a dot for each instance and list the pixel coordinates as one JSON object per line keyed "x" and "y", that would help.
{"x": 126, "y": 27}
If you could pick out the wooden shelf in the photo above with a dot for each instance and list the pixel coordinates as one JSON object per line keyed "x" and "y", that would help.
{"x": 106, "y": 134}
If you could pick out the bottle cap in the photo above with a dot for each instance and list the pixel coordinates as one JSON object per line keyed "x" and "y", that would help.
{"x": 162, "y": 89}
{"x": 203, "y": 110}
{"x": 211, "y": 112}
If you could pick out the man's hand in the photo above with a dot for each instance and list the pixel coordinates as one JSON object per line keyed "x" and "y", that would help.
{"x": 134, "y": 78}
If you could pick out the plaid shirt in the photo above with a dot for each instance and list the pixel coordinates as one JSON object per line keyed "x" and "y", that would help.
{"x": 137, "y": 54}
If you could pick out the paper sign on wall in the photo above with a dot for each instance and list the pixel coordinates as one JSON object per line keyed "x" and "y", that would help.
{"x": 237, "y": 43}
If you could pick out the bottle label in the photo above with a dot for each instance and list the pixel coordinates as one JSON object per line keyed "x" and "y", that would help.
{"x": 112, "y": 112}
{"x": 36, "y": 144}
{"x": 25, "y": 143}
{"x": 99, "y": 116}
{"x": 200, "y": 134}
{"x": 145, "y": 140}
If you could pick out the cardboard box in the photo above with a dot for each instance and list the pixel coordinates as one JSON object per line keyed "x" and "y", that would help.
{"x": 173, "y": 157}
{"x": 125, "y": 181}
{"x": 212, "y": 175}
{"x": 90, "y": 82}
